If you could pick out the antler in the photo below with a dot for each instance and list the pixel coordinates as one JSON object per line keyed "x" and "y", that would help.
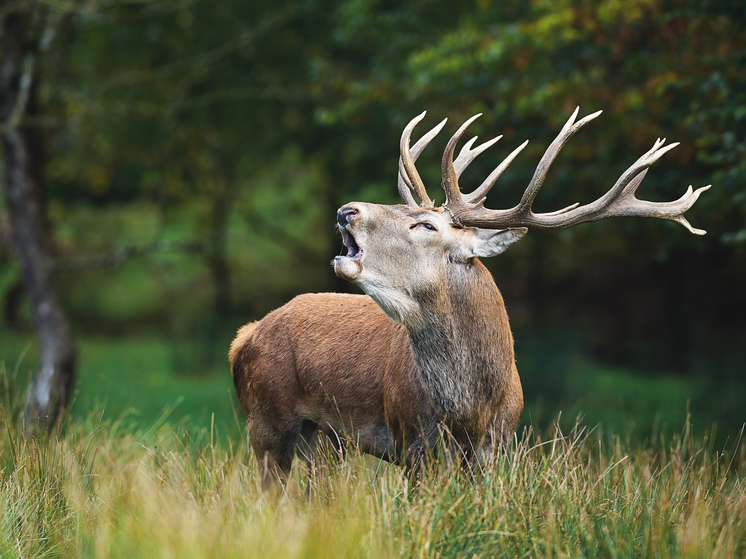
{"x": 619, "y": 201}
{"x": 468, "y": 209}
{"x": 409, "y": 179}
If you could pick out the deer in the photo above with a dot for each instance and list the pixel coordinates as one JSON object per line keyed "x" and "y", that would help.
{"x": 428, "y": 349}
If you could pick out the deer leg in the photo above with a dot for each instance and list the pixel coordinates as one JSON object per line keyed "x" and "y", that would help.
{"x": 502, "y": 427}
{"x": 421, "y": 447}
{"x": 496, "y": 440}
{"x": 309, "y": 447}
{"x": 307, "y": 444}
{"x": 274, "y": 449}
{"x": 318, "y": 447}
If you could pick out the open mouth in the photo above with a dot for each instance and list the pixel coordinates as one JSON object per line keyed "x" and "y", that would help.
{"x": 349, "y": 266}
{"x": 353, "y": 250}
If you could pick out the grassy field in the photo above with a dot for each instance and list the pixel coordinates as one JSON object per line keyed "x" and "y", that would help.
{"x": 102, "y": 490}
{"x": 153, "y": 463}
{"x": 134, "y": 380}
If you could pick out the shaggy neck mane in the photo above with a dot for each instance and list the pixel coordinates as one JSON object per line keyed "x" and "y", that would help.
{"x": 462, "y": 344}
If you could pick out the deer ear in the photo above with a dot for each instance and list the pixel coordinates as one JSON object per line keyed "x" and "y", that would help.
{"x": 490, "y": 242}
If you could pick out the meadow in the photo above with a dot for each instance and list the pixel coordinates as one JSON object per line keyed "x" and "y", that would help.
{"x": 156, "y": 465}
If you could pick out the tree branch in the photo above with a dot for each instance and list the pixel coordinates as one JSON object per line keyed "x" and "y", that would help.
{"x": 26, "y": 80}
{"x": 119, "y": 256}
{"x": 205, "y": 59}
{"x": 24, "y": 88}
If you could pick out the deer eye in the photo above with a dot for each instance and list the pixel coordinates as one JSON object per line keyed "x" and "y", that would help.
{"x": 426, "y": 225}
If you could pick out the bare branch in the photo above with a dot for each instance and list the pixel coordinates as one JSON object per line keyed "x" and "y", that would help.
{"x": 206, "y": 59}
{"x": 51, "y": 20}
{"x": 24, "y": 89}
{"x": 119, "y": 256}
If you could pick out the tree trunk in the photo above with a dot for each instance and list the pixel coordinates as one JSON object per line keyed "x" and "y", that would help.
{"x": 25, "y": 196}
{"x": 217, "y": 260}
{"x": 11, "y": 303}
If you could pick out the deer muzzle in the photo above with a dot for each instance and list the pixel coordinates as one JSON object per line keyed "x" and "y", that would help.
{"x": 348, "y": 266}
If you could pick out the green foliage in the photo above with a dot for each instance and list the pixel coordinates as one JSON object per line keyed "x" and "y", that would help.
{"x": 218, "y": 139}
{"x": 657, "y": 68}
{"x": 243, "y": 129}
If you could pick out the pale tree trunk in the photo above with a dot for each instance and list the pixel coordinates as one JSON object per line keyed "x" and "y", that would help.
{"x": 23, "y": 156}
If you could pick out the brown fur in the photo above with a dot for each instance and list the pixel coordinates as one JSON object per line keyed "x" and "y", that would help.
{"x": 464, "y": 352}
{"x": 244, "y": 333}
{"x": 316, "y": 369}
{"x": 330, "y": 367}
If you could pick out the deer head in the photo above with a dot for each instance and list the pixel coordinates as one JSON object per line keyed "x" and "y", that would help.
{"x": 399, "y": 254}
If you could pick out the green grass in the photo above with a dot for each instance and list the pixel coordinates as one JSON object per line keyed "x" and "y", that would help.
{"x": 620, "y": 399}
{"x": 102, "y": 490}
{"x": 136, "y": 380}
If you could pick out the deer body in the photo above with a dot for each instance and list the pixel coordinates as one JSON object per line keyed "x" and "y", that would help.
{"x": 299, "y": 387}
{"x": 435, "y": 350}
{"x": 298, "y": 375}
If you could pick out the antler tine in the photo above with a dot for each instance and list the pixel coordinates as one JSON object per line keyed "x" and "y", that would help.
{"x": 480, "y": 193}
{"x": 405, "y": 185}
{"x": 673, "y": 211}
{"x": 550, "y": 155}
{"x": 450, "y": 178}
{"x": 423, "y": 142}
{"x": 619, "y": 201}
{"x": 467, "y": 155}
{"x": 409, "y": 178}
{"x": 448, "y": 168}
{"x": 628, "y": 182}
{"x": 405, "y": 188}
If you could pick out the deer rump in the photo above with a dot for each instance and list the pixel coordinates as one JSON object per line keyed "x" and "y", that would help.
{"x": 327, "y": 367}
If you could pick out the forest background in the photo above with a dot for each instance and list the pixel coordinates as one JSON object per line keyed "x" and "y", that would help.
{"x": 195, "y": 153}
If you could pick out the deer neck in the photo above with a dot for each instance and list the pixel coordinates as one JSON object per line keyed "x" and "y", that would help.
{"x": 462, "y": 342}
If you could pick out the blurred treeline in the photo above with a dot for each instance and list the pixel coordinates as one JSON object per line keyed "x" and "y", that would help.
{"x": 197, "y": 151}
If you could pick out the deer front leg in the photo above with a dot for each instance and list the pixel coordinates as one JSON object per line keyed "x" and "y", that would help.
{"x": 424, "y": 447}
{"x": 501, "y": 429}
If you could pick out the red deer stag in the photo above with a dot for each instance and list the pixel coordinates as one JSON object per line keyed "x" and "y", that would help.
{"x": 439, "y": 350}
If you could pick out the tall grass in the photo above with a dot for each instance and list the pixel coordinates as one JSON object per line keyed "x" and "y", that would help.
{"x": 100, "y": 489}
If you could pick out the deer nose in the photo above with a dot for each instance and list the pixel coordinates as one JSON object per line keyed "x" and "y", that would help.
{"x": 346, "y": 215}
